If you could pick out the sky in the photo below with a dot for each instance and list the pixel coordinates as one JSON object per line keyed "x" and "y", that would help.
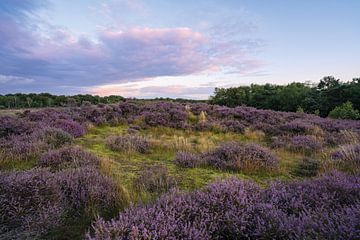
{"x": 160, "y": 48}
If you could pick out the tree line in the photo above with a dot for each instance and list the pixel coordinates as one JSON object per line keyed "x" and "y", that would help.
{"x": 33, "y": 100}
{"x": 320, "y": 99}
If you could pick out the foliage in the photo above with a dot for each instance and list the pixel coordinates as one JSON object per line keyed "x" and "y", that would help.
{"x": 34, "y": 100}
{"x": 320, "y": 99}
{"x": 128, "y": 143}
{"x": 345, "y": 111}
{"x": 187, "y": 159}
{"x": 304, "y": 143}
{"x": 322, "y": 208}
{"x": 307, "y": 167}
{"x": 155, "y": 179}
{"x": 67, "y": 157}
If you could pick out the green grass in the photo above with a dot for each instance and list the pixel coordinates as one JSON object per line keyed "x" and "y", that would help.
{"x": 124, "y": 168}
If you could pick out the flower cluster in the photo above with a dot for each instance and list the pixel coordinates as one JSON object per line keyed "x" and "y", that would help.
{"x": 324, "y": 208}
{"x": 128, "y": 143}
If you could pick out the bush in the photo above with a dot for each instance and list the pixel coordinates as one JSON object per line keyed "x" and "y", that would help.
{"x": 54, "y": 137}
{"x": 86, "y": 189}
{"x": 69, "y": 126}
{"x": 345, "y": 111}
{"x": 304, "y": 143}
{"x": 10, "y": 125}
{"x": 234, "y": 156}
{"x": 234, "y": 126}
{"x": 67, "y": 157}
{"x": 155, "y": 179}
{"x": 324, "y": 208}
{"x": 307, "y": 167}
{"x": 29, "y": 204}
{"x": 128, "y": 143}
{"x": 186, "y": 159}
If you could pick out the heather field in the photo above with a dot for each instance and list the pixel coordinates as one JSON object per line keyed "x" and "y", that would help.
{"x": 165, "y": 170}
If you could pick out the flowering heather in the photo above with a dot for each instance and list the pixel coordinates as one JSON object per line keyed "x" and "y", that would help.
{"x": 67, "y": 157}
{"x": 234, "y": 126}
{"x": 155, "y": 179}
{"x": 187, "y": 159}
{"x": 70, "y": 126}
{"x": 232, "y": 155}
{"x": 304, "y": 143}
{"x": 298, "y": 127}
{"x": 29, "y": 204}
{"x": 87, "y": 189}
{"x": 128, "y": 143}
{"x": 21, "y": 147}
{"x": 54, "y": 137}
{"x": 323, "y": 208}
{"x": 10, "y": 125}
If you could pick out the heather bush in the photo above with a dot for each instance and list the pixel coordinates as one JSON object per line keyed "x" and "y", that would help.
{"x": 11, "y": 125}
{"x": 54, "y": 137}
{"x": 70, "y": 126}
{"x": 86, "y": 189}
{"x": 187, "y": 159}
{"x": 29, "y": 204}
{"x": 298, "y": 126}
{"x": 21, "y": 147}
{"x": 155, "y": 179}
{"x": 234, "y": 126}
{"x": 233, "y": 156}
{"x": 67, "y": 157}
{"x": 307, "y": 167}
{"x": 304, "y": 143}
{"x": 323, "y": 208}
{"x": 128, "y": 143}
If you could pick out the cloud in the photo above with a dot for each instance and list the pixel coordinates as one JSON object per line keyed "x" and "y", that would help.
{"x": 53, "y": 57}
{"x": 135, "y": 90}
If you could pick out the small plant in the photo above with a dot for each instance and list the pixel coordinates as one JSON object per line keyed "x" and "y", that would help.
{"x": 155, "y": 179}
{"x": 233, "y": 156}
{"x": 202, "y": 117}
{"x": 67, "y": 157}
{"x": 69, "y": 126}
{"x": 187, "y": 159}
{"x": 128, "y": 143}
{"x": 307, "y": 167}
{"x": 305, "y": 143}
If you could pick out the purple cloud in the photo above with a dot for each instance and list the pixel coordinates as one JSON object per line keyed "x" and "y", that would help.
{"x": 57, "y": 58}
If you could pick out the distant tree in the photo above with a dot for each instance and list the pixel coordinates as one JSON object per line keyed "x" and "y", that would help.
{"x": 345, "y": 111}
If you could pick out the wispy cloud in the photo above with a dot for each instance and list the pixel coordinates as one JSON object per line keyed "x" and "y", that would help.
{"x": 55, "y": 57}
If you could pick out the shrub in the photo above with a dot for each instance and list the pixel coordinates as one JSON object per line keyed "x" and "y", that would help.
{"x": 10, "y": 125}
{"x": 187, "y": 159}
{"x": 304, "y": 143}
{"x": 345, "y": 111}
{"x": 307, "y": 167}
{"x": 86, "y": 189}
{"x": 234, "y": 126}
{"x": 128, "y": 143}
{"x": 67, "y": 157}
{"x": 69, "y": 126}
{"x": 298, "y": 126}
{"x": 323, "y": 208}
{"x": 155, "y": 179}
{"x": 234, "y": 156}
{"x": 21, "y": 147}
{"x": 54, "y": 137}
{"x": 29, "y": 204}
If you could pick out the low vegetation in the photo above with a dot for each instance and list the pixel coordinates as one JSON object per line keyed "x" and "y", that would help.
{"x": 166, "y": 170}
